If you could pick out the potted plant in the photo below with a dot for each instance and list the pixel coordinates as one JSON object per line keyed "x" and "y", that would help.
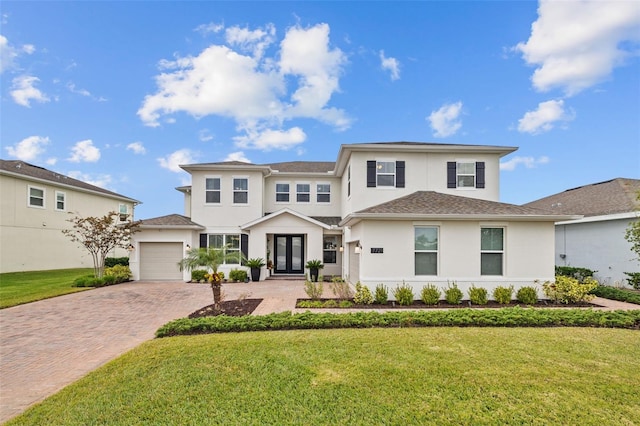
{"x": 255, "y": 264}
{"x": 314, "y": 266}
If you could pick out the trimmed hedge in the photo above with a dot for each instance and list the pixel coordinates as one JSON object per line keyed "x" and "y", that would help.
{"x": 110, "y": 262}
{"x": 616, "y": 294}
{"x": 506, "y": 317}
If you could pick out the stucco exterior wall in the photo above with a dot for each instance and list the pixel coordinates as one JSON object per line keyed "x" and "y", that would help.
{"x": 312, "y": 208}
{"x": 599, "y": 246}
{"x": 31, "y": 238}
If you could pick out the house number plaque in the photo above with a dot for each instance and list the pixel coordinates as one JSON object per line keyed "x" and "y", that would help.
{"x": 377, "y": 250}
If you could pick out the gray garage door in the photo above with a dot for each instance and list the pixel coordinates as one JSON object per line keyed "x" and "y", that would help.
{"x": 159, "y": 261}
{"x": 354, "y": 264}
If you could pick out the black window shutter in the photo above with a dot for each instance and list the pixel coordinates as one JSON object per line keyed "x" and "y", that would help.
{"x": 203, "y": 240}
{"x": 480, "y": 174}
{"x": 399, "y": 174}
{"x": 451, "y": 174}
{"x": 244, "y": 247}
{"x": 371, "y": 174}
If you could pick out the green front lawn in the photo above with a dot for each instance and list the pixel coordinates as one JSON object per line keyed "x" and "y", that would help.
{"x": 17, "y": 288}
{"x": 402, "y": 376}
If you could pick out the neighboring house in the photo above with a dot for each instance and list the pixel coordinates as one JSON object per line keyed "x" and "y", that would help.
{"x": 382, "y": 213}
{"x": 597, "y": 241}
{"x": 34, "y": 208}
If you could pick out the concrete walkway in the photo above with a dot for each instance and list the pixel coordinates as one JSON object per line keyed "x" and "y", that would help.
{"x": 47, "y": 345}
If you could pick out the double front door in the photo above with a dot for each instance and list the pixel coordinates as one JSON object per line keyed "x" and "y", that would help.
{"x": 289, "y": 254}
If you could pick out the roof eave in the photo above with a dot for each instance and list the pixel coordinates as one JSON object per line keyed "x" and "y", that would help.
{"x": 222, "y": 167}
{"x": 352, "y": 219}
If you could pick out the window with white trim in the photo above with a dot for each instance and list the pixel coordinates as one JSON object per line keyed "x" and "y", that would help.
{"x": 230, "y": 244}
{"x": 349, "y": 181}
{"x": 36, "y": 197}
{"x": 240, "y": 191}
{"x": 303, "y": 192}
{"x": 330, "y": 247}
{"x": 386, "y": 173}
{"x": 466, "y": 175}
{"x": 491, "y": 251}
{"x": 123, "y": 212}
{"x": 323, "y": 193}
{"x": 212, "y": 190}
{"x": 425, "y": 246}
{"x": 282, "y": 192}
{"x": 61, "y": 201}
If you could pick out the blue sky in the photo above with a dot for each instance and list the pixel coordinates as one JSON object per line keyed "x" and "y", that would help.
{"x": 120, "y": 93}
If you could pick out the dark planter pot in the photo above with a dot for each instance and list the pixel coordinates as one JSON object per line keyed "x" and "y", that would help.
{"x": 255, "y": 274}
{"x": 313, "y": 272}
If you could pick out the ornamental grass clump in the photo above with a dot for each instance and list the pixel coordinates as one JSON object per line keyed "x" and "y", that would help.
{"x": 503, "y": 294}
{"x": 403, "y": 295}
{"x": 452, "y": 294}
{"x": 381, "y": 296}
{"x": 313, "y": 289}
{"x": 430, "y": 294}
{"x": 363, "y": 295}
{"x": 569, "y": 290}
{"x": 478, "y": 295}
{"x": 527, "y": 295}
{"x": 340, "y": 288}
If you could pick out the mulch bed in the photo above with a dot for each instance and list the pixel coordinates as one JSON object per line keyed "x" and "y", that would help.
{"x": 492, "y": 304}
{"x": 232, "y": 308}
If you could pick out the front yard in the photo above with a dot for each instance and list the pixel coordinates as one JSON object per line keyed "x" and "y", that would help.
{"x": 17, "y": 288}
{"x": 367, "y": 376}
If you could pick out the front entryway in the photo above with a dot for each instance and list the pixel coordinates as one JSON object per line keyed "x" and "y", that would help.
{"x": 289, "y": 254}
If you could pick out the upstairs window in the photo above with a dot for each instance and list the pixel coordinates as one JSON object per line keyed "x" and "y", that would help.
{"x": 36, "y": 197}
{"x": 465, "y": 174}
{"x": 303, "y": 192}
{"x": 240, "y": 191}
{"x": 349, "y": 181}
{"x": 491, "y": 251}
{"x": 323, "y": 193}
{"x": 282, "y": 192}
{"x": 385, "y": 174}
{"x": 212, "y": 191}
{"x": 123, "y": 212}
{"x": 61, "y": 201}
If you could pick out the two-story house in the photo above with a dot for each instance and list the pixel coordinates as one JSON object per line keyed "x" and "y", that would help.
{"x": 35, "y": 206}
{"x": 381, "y": 213}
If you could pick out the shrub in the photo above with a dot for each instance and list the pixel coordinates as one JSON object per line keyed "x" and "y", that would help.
{"x": 616, "y": 294}
{"x": 197, "y": 275}
{"x": 340, "y": 288}
{"x": 503, "y": 295}
{"x": 579, "y": 273}
{"x": 430, "y": 294}
{"x": 110, "y": 262}
{"x": 363, "y": 295}
{"x": 345, "y": 303}
{"x": 110, "y": 279}
{"x": 86, "y": 281}
{"x": 527, "y": 295}
{"x": 381, "y": 296}
{"x": 403, "y": 294}
{"x": 478, "y": 295}
{"x": 238, "y": 275}
{"x": 313, "y": 289}
{"x": 329, "y": 304}
{"x": 120, "y": 272}
{"x": 634, "y": 279}
{"x": 569, "y": 290}
{"x": 452, "y": 294}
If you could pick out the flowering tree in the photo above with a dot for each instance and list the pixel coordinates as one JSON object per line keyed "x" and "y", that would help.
{"x": 100, "y": 235}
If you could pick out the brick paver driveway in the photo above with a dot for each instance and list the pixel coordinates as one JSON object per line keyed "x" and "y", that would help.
{"x": 49, "y": 344}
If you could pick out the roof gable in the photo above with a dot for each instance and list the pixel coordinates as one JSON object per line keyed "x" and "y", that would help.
{"x": 273, "y": 215}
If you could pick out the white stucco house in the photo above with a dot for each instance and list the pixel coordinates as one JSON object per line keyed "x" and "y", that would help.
{"x": 35, "y": 204}
{"x": 381, "y": 213}
{"x": 596, "y": 241}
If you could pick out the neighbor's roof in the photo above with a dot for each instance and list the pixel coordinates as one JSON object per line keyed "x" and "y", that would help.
{"x": 170, "y": 221}
{"x": 432, "y": 205}
{"x": 598, "y": 199}
{"x": 26, "y": 170}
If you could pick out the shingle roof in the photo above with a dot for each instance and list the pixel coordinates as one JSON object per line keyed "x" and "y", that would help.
{"x": 172, "y": 220}
{"x": 303, "y": 166}
{"x": 598, "y": 199}
{"x": 22, "y": 168}
{"x": 435, "y": 203}
{"x": 329, "y": 220}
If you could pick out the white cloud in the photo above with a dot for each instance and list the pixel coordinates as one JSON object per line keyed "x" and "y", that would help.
{"x": 390, "y": 64}
{"x": 211, "y": 27}
{"x": 137, "y": 148}
{"x": 9, "y": 53}
{"x": 174, "y": 160}
{"x": 528, "y": 162}
{"x": 258, "y": 92}
{"x": 28, "y": 149}
{"x": 544, "y": 118}
{"x": 23, "y": 91}
{"x": 576, "y": 44}
{"x": 84, "y": 151}
{"x": 204, "y": 135}
{"x": 51, "y": 161}
{"x": 268, "y": 139}
{"x": 445, "y": 121}
{"x": 237, "y": 156}
{"x": 101, "y": 180}
{"x": 28, "y": 49}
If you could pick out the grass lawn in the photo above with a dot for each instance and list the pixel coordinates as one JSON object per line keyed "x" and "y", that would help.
{"x": 461, "y": 376}
{"x": 17, "y": 288}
